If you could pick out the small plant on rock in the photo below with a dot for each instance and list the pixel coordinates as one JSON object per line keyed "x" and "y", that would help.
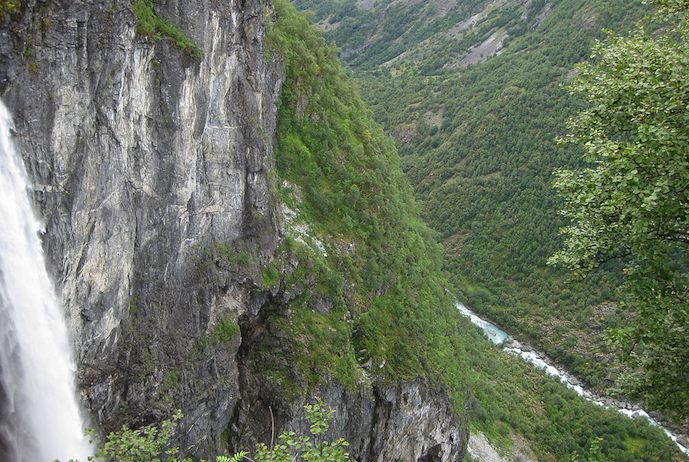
{"x": 152, "y": 443}
{"x": 311, "y": 448}
{"x": 9, "y": 7}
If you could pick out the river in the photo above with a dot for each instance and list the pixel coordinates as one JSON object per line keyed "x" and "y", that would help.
{"x": 501, "y": 338}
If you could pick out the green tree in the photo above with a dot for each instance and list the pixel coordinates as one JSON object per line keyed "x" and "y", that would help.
{"x": 152, "y": 443}
{"x": 594, "y": 453}
{"x": 148, "y": 444}
{"x": 291, "y": 448}
{"x": 631, "y": 203}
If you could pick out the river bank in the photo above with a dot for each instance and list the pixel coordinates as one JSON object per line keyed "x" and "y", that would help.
{"x": 539, "y": 360}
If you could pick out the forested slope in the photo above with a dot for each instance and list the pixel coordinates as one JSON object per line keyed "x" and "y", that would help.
{"x": 341, "y": 174}
{"x": 475, "y": 100}
{"x": 392, "y": 318}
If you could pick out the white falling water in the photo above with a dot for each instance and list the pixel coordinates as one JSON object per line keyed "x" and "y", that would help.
{"x": 39, "y": 414}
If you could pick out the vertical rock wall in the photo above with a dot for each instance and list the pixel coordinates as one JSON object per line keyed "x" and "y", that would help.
{"x": 143, "y": 157}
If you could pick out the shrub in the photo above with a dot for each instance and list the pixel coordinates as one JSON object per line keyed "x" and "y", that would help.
{"x": 150, "y": 25}
{"x": 9, "y": 7}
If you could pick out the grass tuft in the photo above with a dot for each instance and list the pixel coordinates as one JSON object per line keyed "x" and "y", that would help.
{"x": 150, "y": 25}
{"x": 9, "y": 7}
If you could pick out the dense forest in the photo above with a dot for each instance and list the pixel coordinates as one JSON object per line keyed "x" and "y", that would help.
{"x": 477, "y": 137}
{"x": 508, "y": 399}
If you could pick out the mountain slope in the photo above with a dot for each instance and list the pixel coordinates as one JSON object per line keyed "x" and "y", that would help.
{"x": 509, "y": 401}
{"x": 475, "y": 106}
{"x": 233, "y": 236}
{"x": 150, "y": 132}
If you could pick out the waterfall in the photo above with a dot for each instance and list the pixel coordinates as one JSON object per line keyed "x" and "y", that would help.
{"x": 39, "y": 413}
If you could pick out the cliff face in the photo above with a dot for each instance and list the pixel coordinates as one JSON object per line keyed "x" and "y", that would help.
{"x": 142, "y": 156}
{"x": 148, "y": 165}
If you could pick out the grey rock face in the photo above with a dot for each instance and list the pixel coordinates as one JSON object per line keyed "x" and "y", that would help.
{"x": 423, "y": 425}
{"x": 410, "y": 421}
{"x": 144, "y": 159}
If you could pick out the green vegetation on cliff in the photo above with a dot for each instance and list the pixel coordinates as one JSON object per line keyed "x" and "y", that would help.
{"x": 150, "y": 25}
{"x": 370, "y": 300}
{"x": 476, "y": 132}
{"x": 9, "y": 7}
{"x": 382, "y": 263}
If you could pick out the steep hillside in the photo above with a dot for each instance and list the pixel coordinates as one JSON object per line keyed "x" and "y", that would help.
{"x": 233, "y": 236}
{"x": 355, "y": 213}
{"x": 149, "y": 131}
{"x": 475, "y": 104}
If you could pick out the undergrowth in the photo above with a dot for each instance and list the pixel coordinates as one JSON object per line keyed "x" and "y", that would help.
{"x": 9, "y": 7}
{"x": 150, "y": 25}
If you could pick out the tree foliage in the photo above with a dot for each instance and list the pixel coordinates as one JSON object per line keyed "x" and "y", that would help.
{"x": 152, "y": 443}
{"x": 632, "y": 200}
{"x": 307, "y": 448}
{"x": 146, "y": 444}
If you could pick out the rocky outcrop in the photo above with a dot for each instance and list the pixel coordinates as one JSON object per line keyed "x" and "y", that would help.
{"x": 409, "y": 421}
{"x": 481, "y": 450}
{"x": 149, "y": 166}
